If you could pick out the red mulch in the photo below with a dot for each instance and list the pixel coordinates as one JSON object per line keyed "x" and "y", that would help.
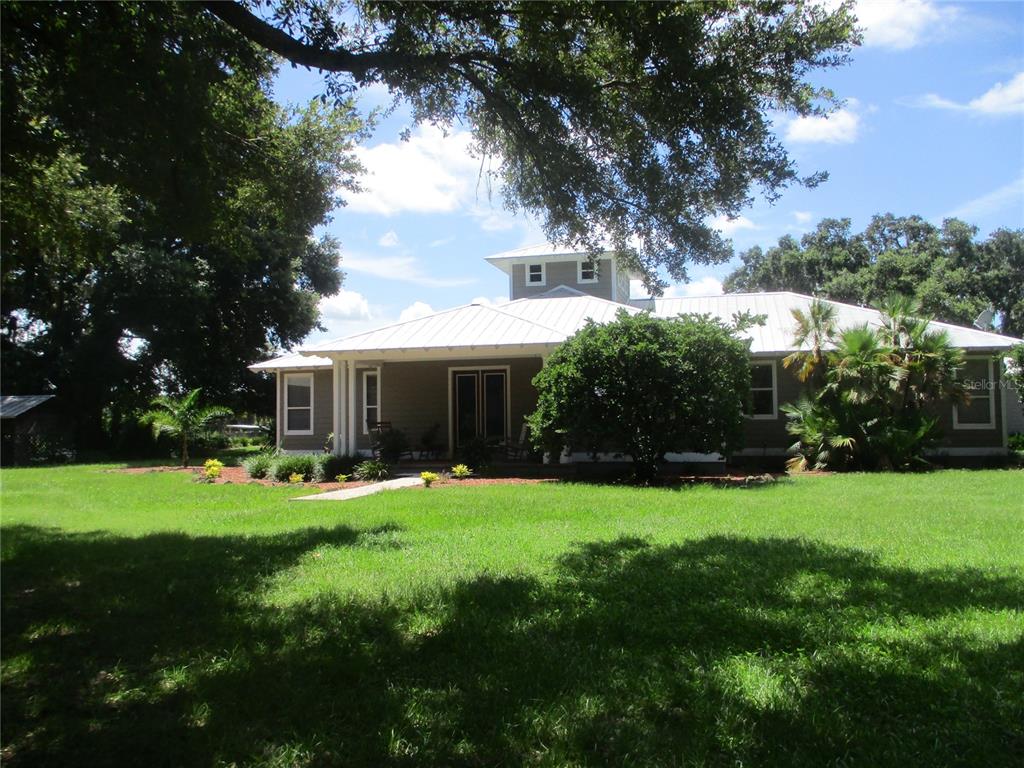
{"x": 237, "y": 476}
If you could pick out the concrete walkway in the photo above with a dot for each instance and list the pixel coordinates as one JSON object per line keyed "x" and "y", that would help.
{"x": 364, "y": 490}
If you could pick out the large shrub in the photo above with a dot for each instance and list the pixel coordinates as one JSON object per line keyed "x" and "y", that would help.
{"x": 874, "y": 409}
{"x": 644, "y": 386}
{"x": 258, "y": 466}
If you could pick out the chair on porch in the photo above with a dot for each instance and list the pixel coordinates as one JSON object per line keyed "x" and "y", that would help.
{"x": 378, "y": 434}
{"x": 519, "y": 448}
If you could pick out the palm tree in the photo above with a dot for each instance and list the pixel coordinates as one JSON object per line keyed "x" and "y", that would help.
{"x": 815, "y": 329}
{"x": 182, "y": 417}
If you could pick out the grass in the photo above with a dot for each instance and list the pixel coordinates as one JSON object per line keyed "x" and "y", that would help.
{"x": 845, "y": 620}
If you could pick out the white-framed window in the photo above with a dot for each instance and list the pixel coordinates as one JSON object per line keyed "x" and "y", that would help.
{"x": 979, "y": 381}
{"x": 764, "y": 398}
{"x": 536, "y": 274}
{"x": 587, "y": 272}
{"x": 371, "y": 399}
{"x": 298, "y": 403}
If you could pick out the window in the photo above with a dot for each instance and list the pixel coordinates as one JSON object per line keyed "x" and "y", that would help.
{"x": 587, "y": 273}
{"x": 371, "y": 399}
{"x": 298, "y": 404}
{"x": 980, "y": 412}
{"x": 763, "y": 401}
{"x": 535, "y": 274}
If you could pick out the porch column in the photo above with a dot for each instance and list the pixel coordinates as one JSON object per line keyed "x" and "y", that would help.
{"x": 339, "y": 440}
{"x": 350, "y": 393}
{"x": 277, "y": 406}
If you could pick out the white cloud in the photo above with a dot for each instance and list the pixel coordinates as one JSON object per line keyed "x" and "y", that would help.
{"x": 803, "y": 217}
{"x": 415, "y": 311}
{"x": 841, "y": 127}
{"x": 489, "y": 302}
{"x": 706, "y": 286}
{"x": 345, "y": 305}
{"x": 905, "y": 24}
{"x": 389, "y": 239}
{"x": 432, "y": 172}
{"x": 406, "y": 269}
{"x": 1000, "y": 99}
{"x": 1008, "y": 196}
{"x": 727, "y": 226}
{"x": 442, "y": 241}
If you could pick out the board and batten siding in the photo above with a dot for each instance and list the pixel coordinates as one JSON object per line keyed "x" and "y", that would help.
{"x": 323, "y": 412}
{"x": 563, "y": 273}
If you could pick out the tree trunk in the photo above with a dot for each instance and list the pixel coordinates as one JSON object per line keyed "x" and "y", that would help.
{"x": 184, "y": 450}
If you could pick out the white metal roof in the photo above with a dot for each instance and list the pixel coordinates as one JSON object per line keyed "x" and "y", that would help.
{"x": 538, "y": 251}
{"x": 565, "y": 309}
{"x": 776, "y": 335}
{"x": 545, "y": 320}
{"x": 470, "y": 326}
{"x": 291, "y": 360}
{"x": 546, "y": 252}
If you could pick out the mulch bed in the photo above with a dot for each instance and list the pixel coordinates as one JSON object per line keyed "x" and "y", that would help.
{"x": 238, "y": 476}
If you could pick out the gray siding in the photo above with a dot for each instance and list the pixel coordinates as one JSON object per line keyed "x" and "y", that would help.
{"x": 414, "y": 396}
{"x": 562, "y": 273}
{"x": 323, "y": 413}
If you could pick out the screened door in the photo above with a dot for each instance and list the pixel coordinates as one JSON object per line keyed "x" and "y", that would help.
{"x": 480, "y": 407}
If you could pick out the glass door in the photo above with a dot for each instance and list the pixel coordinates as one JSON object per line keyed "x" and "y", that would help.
{"x": 480, "y": 407}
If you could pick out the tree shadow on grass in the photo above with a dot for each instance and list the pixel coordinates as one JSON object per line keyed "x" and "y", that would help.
{"x": 158, "y": 651}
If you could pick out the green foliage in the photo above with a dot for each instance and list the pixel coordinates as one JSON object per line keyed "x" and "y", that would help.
{"x": 341, "y": 478}
{"x": 310, "y": 466}
{"x": 1014, "y": 372}
{"x": 644, "y": 386}
{"x": 1016, "y": 442}
{"x": 391, "y": 444}
{"x": 952, "y": 274}
{"x": 333, "y": 465}
{"x": 183, "y": 418}
{"x": 259, "y": 465}
{"x": 877, "y": 386}
{"x": 159, "y": 206}
{"x": 844, "y": 620}
{"x": 634, "y": 122}
{"x": 474, "y": 452}
{"x": 461, "y": 472}
{"x": 373, "y": 470}
{"x": 212, "y": 468}
{"x": 429, "y": 477}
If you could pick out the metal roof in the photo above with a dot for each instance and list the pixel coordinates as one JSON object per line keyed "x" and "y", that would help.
{"x": 292, "y": 360}
{"x": 12, "y": 406}
{"x": 548, "y": 319}
{"x": 469, "y": 326}
{"x": 776, "y": 335}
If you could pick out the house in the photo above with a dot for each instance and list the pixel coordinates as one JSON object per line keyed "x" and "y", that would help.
{"x": 467, "y": 371}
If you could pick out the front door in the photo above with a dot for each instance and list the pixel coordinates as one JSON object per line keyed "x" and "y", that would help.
{"x": 480, "y": 405}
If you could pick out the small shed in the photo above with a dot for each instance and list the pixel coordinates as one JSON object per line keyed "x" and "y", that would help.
{"x": 32, "y": 430}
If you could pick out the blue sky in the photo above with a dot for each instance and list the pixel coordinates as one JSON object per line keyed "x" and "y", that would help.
{"x": 933, "y": 125}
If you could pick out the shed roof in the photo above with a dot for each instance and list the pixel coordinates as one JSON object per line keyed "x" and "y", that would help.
{"x": 12, "y": 406}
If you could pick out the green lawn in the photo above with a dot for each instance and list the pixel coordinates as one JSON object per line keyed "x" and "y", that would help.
{"x": 846, "y": 620}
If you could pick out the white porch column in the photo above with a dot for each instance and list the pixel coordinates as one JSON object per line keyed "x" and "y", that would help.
{"x": 278, "y": 416}
{"x": 352, "y": 415}
{"x": 336, "y": 371}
